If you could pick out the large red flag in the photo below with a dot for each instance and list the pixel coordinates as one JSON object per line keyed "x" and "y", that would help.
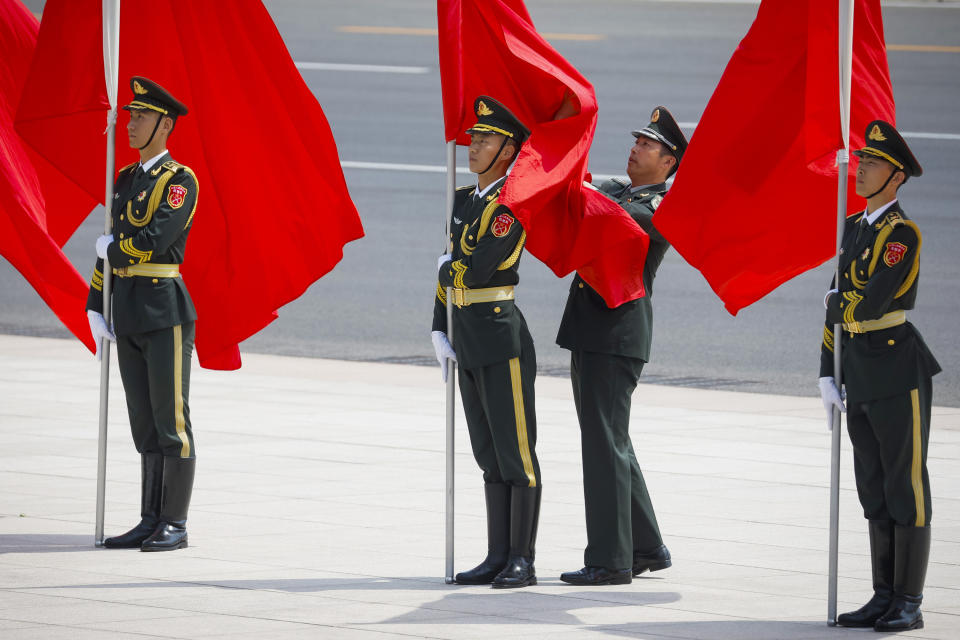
{"x": 273, "y": 212}
{"x": 761, "y": 164}
{"x": 490, "y": 47}
{"x": 30, "y": 187}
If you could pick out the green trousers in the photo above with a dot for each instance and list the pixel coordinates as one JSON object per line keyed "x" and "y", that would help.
{"x": 155, "y": 369}
{"x": 498, "y": 402}
{"x": 890, "y": 437}
{"x": 620, "y": 516}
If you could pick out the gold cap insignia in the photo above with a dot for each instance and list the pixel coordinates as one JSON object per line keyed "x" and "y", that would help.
{"x": 876, "y": 134}
{"x": 655, "y": 115}
{"x": 483, "y": 109}
{"x": 138, "y": 88}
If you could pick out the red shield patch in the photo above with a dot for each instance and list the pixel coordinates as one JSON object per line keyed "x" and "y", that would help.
{"x": 501, "y": 225}
{"x": 176, "y": 196}
{"x": 894, "y": 253}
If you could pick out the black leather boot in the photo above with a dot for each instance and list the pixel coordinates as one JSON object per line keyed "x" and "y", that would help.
{"x": 151, "y": 483}
{"x": 911, "y": 552}
{"x": 171, "y": 531}
{"x": 524, "y": 516}
{"x": 498, "y": 536}
{"x": 881, "y": 565}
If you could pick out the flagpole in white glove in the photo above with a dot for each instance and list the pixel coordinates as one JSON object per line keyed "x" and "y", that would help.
{"x": 832, "y": 397}
{"x": 99, "y": 330}
{"x": 442, "y": 260}
{"x": 443, "y": 349}
{"x": 103, "y": 242}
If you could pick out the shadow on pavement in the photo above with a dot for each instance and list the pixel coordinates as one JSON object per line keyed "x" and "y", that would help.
{"x": 44, "y": 543}
{"x": 728, "y": 630}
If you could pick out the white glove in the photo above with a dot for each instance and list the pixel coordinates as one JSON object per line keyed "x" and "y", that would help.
{"x": 103, "y": 242}
{"x": 99, "y": 330}
{"x": 444, "y": 351}
{"x": 442, "y": 260}
{"x": 827, "y": 297}
{"x": 832, "y": 397}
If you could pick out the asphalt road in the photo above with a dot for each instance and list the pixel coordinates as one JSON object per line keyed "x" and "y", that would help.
{"x": 376, "y": 305}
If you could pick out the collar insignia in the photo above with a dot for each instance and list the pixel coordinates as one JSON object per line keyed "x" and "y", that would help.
{"x": 156, "y": 171}
{"x": 876, "y": 134}
{"x": 483, "y": 109}
{"x": 138, "y": 88}
{"x": 457, "y": 220}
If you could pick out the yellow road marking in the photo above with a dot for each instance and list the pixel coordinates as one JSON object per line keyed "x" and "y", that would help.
{"x": 923, "y": 47}
{"x": 423, "y": 31}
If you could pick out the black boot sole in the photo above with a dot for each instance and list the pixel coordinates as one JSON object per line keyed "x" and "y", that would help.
{"x": 472, "y": 582}
{"x": 179, "y": 545}
{"x": 653, "y": 567}
{"x": 912, "y": 627}
{"x": 526, "y": 583}
{"x": 598, "y": 583}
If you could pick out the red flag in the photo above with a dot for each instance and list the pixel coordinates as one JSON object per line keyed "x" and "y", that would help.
{"x": 30, "y": 187}
{"x": 490, "y": 47}
{"x": 761, "y": 164}
{"x": 274, "y": 211}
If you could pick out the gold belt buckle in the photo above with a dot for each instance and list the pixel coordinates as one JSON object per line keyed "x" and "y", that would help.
{"x": 121, "y": 272}
{"x": 457, "y": 297}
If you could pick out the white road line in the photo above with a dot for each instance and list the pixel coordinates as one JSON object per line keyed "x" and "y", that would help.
{"x": 930, "y": 136}
{"x": 361, "y": 68}
{"x": 428, "y": 168}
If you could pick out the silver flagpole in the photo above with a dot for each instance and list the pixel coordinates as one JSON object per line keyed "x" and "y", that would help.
{"x": 451, "y": 371}
{"x": 111, "y": 49}
{"x": 843, "y": 159}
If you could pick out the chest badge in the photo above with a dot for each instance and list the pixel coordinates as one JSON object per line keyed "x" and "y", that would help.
{"x": 865, "y": 254}
{"x": 501, "y": 225}
{"x": 141, "y": 195}
{"x": 176, "y": 196}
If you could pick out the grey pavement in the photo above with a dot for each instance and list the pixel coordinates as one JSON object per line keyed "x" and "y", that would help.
{"x": 318, "y": 512}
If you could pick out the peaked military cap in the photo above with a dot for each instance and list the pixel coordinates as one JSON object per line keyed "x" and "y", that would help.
{"x": 884, "y": 141}
{"x": 664, "y": 129}
{"x": 147, "y": 94}
{"x": 493, "y": 117}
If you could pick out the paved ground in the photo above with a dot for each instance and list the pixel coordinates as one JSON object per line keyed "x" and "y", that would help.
{"x": 318, "y": 512}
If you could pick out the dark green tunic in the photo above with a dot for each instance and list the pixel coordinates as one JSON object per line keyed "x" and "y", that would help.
{"x": 153, "y": 317}
{"x": 608, "y": 350}
{"x": 887, "y": 372}
{"x": 495, "y": 355}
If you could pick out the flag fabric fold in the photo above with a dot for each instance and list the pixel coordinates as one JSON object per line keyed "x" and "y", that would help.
{"x": 761, "y": 163}
{"x": 274, "y": 212}
{"x": 30, "y": 188}
{"x": 490, "y": 47}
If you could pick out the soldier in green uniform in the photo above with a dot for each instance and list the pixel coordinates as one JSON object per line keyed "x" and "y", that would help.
{"x": 153, "y": 316}
{"x": 887, "y": 370}
{"x": 494, "y": 350}
{"x": 608, "y": 350}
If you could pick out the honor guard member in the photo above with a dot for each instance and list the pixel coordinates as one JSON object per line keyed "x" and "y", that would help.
{"x": 153, "y": 316}
{"x": 493, "y": 349}
{"x": 887, "y": 370}
{"x": 608, "y": 348}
